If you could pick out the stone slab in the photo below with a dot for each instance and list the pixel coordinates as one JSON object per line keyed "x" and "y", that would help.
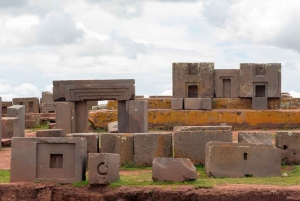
{"x": 151, "y": 145}
{"x": 177, "y": 103}
{"x": 173, "y": 169}
{"x": 288, "y": 142}
{"x": 90, "y": 90}
{"x": 192, "y": 103}
{"x": 255, "y": 137}
{"x": 191, "y": 144}
{"x": 206, "y": 103}
{"x": 242, "y": 160}
{"x": 65, "y": 116}
{"x": 61, "y": 160}
{"x": 50, "y": 133}
{"x": 118, "y": 143}
{"x": 31, "y": 104}
{"x": 19, "y": 112}
{"x": 113, "y": 127}
{"x": 259, "y": 103}
{"x": 226, "y": 83}
{"x": 103, "y": 168}
{"x": 10, "y": 127}
{"x": 92, "y": 140}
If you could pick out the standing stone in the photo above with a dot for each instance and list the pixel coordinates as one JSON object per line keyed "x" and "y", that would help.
{"x": 137, "y": 116}
{"x": 288, "y": 142}
{"x": 46, "y": 103}
{"x": 65, "y": 116}
{"x": 10, "y": 127}
{"x": 255, "y": 137}
{"x": 190, "y": 141}
{"x": 224, "y": 159}
{"x": 19, "y": 112}
{"x": 103, "y": 168}
{"x": 151, "y": 145}
{"x": 173, "y": 169}
{"x": 50, "y": 133}
{"x": 118, "y": 143}
{"x": 81, "y": 117}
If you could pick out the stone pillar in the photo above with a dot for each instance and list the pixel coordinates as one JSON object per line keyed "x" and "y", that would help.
{"x": 65, "y": 116}
{"x": 81, "y": 117}
{"x": 137, "y": 116}
{"x": 122, "y": 117}
{"x": 18, "y": 111}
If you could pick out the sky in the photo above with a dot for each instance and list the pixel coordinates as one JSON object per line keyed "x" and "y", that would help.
{"x": 46, "y": 40}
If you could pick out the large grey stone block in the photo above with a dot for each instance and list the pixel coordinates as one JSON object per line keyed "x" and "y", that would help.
{"x": 177, "y": 103}
{"x": 92, "y": 140}
{"x": 226, "y": 83}
{"x": 259, "y": 103}
{"x": 5, "y": 105}
{"x": 10, "y": 127}
{"x": 173, "y": 169}
{"x": 190, "y": 141}
{"x": 65, "y": 116}
{"x": 103, "y": 168}
{"x": 60, "y": 160}
{"x": 118, "y": 143}
{"x": 242, "y": 160}
{"x": 47, "y": 103}
{"x": 19, "y": 112}
{"x": 255, "y": 137}
{"x": 289, "y": 143}
{"x": 151, "y": 145}
{"x": 192, "y": 103}
{"x": 206, "y": 103}
{"x": 50, "y": 133}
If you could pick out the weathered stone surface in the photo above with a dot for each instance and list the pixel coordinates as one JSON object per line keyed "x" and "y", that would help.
{"x": 242, "y": 160}
{"x": 122, "y": 117}
{"x": 5, "y": 105}
{"x": 92, "y": 140}
{"x": 10, "y": 127}
{"x": 260, "y": 103}
{"x": 31, "y": 104}
{"x": 151, "y": 145}
{"x": 52, "y": 126}
{"x": 137, "y": 116}
{"x": 226, "y": 83}
{"x": 173, "y": 169}
{"x": 50, "y": 133}
{"x": 192, "y": 103}
{"x": 206, "y": 103}
{"x": 19, "y": 112}
{"x": 47, "y": 103}
{"x": 255, "y": 137}
{"x": 65, "y": 116}
{"x": 193, "y": 80}
{"x": 60, "y": 160}
{"x": 177, "y": 103}
{"x": 81, "y": 117}
{"x": 118, "y": 143}
{"x": 32, "y": 120}
{"x": 190, "y": 142}
{"x": 260, "y": 80}
{"x": 89, "y": 90}
{"x": 103, "y": 168}
{"x": 113, "y": 127}
{"x": 288, "y": 142}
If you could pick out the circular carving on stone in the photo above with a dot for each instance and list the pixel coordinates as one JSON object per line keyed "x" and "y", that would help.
{"x": 102, "y": 169}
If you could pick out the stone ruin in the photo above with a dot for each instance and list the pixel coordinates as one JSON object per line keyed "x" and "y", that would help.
{"x": 62, "y": 154}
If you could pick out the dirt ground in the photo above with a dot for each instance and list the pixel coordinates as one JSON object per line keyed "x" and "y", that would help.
{"x": 55, "y": 192}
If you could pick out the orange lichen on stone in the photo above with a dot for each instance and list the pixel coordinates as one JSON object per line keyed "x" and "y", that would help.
{"x": 153, "y": 103}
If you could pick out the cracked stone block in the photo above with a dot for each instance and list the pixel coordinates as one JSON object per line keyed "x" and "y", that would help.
{"x": 173, "y": 169}
{"x": 225, "y": 159}
{"x": 255, "y": 137}
{"x": 103, "y": 168}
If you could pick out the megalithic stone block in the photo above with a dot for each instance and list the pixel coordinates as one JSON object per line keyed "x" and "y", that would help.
{"x": 59, "y": 159}
{"x": 5, "y": 105}
{"x": 260, "y": 103}
{"x": 10, "y": 127}
{"x": 177, "y": 103}
{"x": 288, "y": 142}
{"x": 31, "y": 104}
{"x": 255, "y": 137}
{"x": 118, "y": 143}
{"x": 92, "y": 140}
{"x": 206, "y": 103}
{"x": 65, "y": 116}
{"x": 192, "y": 103}
{"x": 19, "y": 112}
{"x": 226, "y": 83}
{"x": 190, "y": 141}
{"x": 50, "y": 133}
{"x": 137, "y": 116}
{"x": 173, "y": 169}
{"x": 81, "y": 117}
{"x": 103, "y": 168}
{"x": 151, "y": 145}
{"x": 224, "y": 159}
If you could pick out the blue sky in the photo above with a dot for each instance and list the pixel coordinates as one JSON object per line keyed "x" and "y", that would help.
{"x": 46, "y": 40}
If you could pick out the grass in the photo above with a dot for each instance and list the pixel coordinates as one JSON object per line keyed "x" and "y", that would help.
{"x": 144, "y": 178}
{"x": 4, "y": 176}
{"x": 81, "y": 184}
{"x": 41, "y": 126}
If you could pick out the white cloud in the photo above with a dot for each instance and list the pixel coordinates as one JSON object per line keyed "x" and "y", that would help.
{"x": 294, "y": 94}
{"x": 8, "y": 91}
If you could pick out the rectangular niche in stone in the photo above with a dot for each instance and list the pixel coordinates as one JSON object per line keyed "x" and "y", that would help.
{"x": 55, "y": 159}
